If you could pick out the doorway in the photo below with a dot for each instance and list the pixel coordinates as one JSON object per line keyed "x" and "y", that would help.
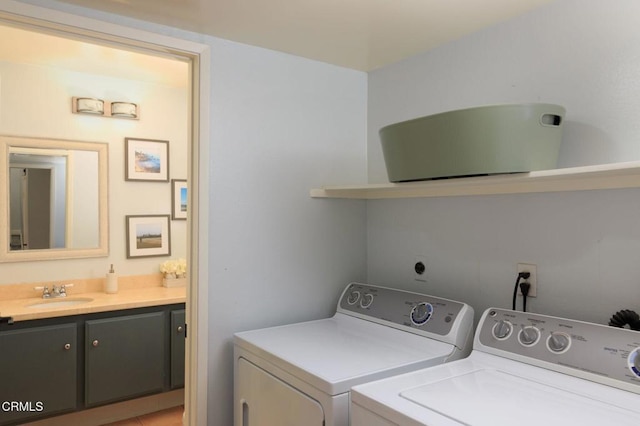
{"x": 35, "y": 187}
{"x": 197, "y": 55}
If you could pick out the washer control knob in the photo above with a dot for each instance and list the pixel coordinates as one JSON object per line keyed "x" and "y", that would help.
{"x": 634, "y": 362}
{"x": 353, "y": 297}
{"x": 421, "y": 313}
{"x": 366, "y": 301}
{"x": 558, "y": 342}
{"x": 502, "y": 329}
{"x": 529, "y": 336}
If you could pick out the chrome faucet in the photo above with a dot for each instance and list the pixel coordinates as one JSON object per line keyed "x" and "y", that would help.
{"x": 45, "y": 291}
{"x": 57, "y": 291}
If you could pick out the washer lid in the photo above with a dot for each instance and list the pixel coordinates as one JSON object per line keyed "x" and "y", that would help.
{"x": 491, "y": 397}
{"x": 485, "y": 389}
{"x": 337, "y": 353}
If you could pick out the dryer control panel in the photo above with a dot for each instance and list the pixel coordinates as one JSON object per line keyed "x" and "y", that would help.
{"x": 597, "y": 352}
{"x": 418, "y": 313}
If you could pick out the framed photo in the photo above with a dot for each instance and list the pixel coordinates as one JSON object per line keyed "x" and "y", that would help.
{"x": 179, "y": 199}
{"x": 146, "y": 160}
{"x": 148, "y": 236}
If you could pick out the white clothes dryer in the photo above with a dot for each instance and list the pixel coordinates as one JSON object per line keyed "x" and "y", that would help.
{"x": 301, "y": 374}
{"x": 525, "y": 369}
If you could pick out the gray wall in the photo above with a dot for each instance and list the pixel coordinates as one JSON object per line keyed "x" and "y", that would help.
{"x": 281, "y": 125}
{"x": 583, "y": 54}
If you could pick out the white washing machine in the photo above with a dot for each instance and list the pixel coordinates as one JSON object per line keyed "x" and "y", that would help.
{"x": 525, "y": 369}
{"x": 300, "y": 374}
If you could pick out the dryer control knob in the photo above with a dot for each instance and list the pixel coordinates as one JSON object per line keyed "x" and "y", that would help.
{"x": 529, "y": 336}
{"x": 366, "y": 301}
{"x": 502, "y": 330}
{"x": 421, "y": 313}
{"x": 353, "y": 297}
{"x": 634, "y": 362}
{"x": 558, "y": 342}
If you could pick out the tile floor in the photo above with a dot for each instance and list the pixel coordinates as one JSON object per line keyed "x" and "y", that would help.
{"x": 169, "y": 417}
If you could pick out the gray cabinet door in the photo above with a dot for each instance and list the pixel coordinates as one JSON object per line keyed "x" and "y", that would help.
{"x": 124, "y": 357}
{"x": 37, "y": 371}
{"x": 177, "y": 348}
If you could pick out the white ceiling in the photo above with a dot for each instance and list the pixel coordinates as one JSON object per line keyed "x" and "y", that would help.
{"x": 358, "y": 34}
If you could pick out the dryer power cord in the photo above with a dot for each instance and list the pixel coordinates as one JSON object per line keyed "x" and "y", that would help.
{"x": 524, "y": 289}
{"x": 521, "y": 276}
{"x": 624, "y": 318}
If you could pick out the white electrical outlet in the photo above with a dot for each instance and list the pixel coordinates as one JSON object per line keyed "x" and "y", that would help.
{"x": 533, "y": 278}
{"x": 419, "y": 268}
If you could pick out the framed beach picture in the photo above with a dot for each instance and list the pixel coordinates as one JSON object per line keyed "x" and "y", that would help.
{"x": 148, "y": 235}
{"x": 179, "y": 199}
{"x": 146, "y": 160}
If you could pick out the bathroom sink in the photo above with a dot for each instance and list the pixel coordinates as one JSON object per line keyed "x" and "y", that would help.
{"x": 60, "y": 303}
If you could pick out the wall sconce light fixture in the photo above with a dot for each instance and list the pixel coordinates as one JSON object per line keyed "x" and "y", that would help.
{"x": 124, "y": 109}
{"x": 116, "y": 109}
{"x": 88, "y": 106}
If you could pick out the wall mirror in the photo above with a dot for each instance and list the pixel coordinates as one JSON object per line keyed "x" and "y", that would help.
{"x": 55, "y": 199}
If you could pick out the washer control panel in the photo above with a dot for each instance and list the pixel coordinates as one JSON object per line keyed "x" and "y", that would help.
{"x": 575, "y": 347}
{"x": 402, "y": 309}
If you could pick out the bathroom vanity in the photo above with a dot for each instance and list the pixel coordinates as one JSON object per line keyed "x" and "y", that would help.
{"x": 90, "y": 354}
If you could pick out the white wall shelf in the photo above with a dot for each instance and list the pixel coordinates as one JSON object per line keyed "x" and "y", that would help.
{"x": 603, "y": 176}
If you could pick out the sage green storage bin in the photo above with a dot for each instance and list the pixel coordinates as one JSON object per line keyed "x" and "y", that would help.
{"x": 476, "y": 141}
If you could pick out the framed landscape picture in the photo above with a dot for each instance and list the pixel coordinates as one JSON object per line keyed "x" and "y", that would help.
{"x": 148, "y": 235}
{"x": 179, "y": 199}
{"x": 146, "y": 160}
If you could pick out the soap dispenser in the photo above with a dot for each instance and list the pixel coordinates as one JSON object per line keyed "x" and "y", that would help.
{"x": 111, "y": 282}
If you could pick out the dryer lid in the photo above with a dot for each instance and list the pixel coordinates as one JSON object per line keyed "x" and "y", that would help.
{"x": 337, "y": 353}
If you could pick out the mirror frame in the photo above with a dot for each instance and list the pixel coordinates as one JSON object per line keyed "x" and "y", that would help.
{"x": 7, "y": 255}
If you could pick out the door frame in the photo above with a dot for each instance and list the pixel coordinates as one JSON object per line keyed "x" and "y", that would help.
{"x": 198, "y": 55}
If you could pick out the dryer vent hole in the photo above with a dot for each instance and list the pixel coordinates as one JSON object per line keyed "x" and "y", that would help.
{"x": 419, "y": 268}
